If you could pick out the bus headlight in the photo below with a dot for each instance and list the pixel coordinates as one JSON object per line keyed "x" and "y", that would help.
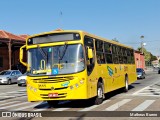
{"x": 35, "y": 89}
{"x": 32, "y": 88}
{"x": 81, "y": 81}
{"x": 76, "y": 85}
{"x": 71, "y": 87}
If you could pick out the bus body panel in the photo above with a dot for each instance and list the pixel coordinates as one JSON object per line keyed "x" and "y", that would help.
{"x": 84, "y": 85}
{"x": 38, "y": 89}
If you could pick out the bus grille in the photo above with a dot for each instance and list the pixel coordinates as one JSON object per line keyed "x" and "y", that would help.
{"x": 61, "y": 95}
{"x": 52, "y": 79}
{"x": 54, "y": 88}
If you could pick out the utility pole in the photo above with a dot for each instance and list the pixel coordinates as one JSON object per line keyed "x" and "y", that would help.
{"x": 142, "y": 43}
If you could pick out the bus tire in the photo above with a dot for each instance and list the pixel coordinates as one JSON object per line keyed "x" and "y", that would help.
{"x": 126, "y": 84}
{"x": 53, "y": 103}
{"x": 100, "y": 94}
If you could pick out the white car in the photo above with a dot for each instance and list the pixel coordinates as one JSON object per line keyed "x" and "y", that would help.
{"x": 21, "y": 81}
{"x": 9, "y": 76}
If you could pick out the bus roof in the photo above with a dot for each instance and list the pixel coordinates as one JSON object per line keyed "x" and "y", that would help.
{"x": 80, "y": 31}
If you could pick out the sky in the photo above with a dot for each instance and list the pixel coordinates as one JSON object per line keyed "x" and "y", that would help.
{"x": 125, "y": 20}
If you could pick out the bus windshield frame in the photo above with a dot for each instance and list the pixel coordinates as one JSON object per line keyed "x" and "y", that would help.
{"x": 56, "y": 60}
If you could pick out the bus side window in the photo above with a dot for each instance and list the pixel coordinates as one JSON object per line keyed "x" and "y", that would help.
{"x": 124, "y": 56}
{"x": 132, "y": 57}
{"x": 108, "y": 52}
{"x": 100, "y": 58}
{"x": 88, "y": 43}
{"x": 115, "y": 54}
{"x": 100, "y": 52}
{"x": 128, "y": 56}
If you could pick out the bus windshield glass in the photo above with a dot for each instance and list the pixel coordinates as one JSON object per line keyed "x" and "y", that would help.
{"x": 64, "y": 59}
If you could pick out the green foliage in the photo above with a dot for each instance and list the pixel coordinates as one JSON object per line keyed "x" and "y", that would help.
{"x": 148, "y": 56}
{"x": 153, "y": 58}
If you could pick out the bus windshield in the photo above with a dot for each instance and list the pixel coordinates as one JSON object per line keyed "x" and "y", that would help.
{"x": 64, "y": 59}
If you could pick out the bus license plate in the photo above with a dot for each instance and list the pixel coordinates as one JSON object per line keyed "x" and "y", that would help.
{"x": 53, "y": 95}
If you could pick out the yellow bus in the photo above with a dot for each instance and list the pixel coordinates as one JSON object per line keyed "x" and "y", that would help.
{"x": 75, "y": 65}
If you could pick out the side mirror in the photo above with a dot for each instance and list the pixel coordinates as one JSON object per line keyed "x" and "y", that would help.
{"x": 90, "y": 53}
{"x": 21, "y": 55}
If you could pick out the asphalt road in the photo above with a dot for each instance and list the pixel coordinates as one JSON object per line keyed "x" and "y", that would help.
{"x": 143, "y": 96}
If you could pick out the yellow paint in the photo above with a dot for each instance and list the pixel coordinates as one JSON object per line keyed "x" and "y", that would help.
{"x": 87, "y": 85}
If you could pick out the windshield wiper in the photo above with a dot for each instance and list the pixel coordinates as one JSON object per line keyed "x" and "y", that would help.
{"x": 64, "y": 51}
{"x": 43, "y": 53}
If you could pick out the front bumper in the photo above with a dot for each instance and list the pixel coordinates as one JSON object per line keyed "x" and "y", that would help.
{"x": 139, "y": 76}
{"x": 21, "y": 82}
{"x": 3, "y": 81}
{"x": 69, "y": 89}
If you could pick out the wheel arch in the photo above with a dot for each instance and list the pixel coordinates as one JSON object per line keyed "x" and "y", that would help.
{"x": 101, "y": 81}
{"x": 126, "y": 76}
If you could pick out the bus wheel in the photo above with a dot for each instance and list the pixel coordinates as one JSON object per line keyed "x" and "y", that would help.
{"x": 100, "y": 94}
{"x": 53, "y": 103}
{"x": 126, "y": 84}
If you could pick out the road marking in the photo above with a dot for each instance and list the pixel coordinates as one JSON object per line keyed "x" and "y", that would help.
{"x": 157, "y": 93}
{"x": 155, "y": 90}
{"x": 8, "y": 103}
{"x": 94, "y": 106}
{"x": 33, "y": 105}
{"x": 148, "y": 95}
{"x": 8, "y": 96}
{"x": 30, "y": 106}
{"x": 61, "y": 109}
{"x": 23, "y": 90}
{"x": 89, "y": 108}
{"x": 140, "y": 90}
{"x": 143, "y": 105}
{"x": 117, "y": 105}
{"x": 3, "y": 101}
{"x": 15, "y": 95}
{"x": 13, "y": 105}
{"x": 136, "y": 93}
{"x": 13, "y": 91}
{"x": 22, "y": 96}
{"x": 16, "y": 92}
{"x": 148, "y": 91}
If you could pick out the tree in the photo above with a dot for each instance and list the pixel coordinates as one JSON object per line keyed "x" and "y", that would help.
{"x": 153, "y": 58}
{"x": 148, "y": 55}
